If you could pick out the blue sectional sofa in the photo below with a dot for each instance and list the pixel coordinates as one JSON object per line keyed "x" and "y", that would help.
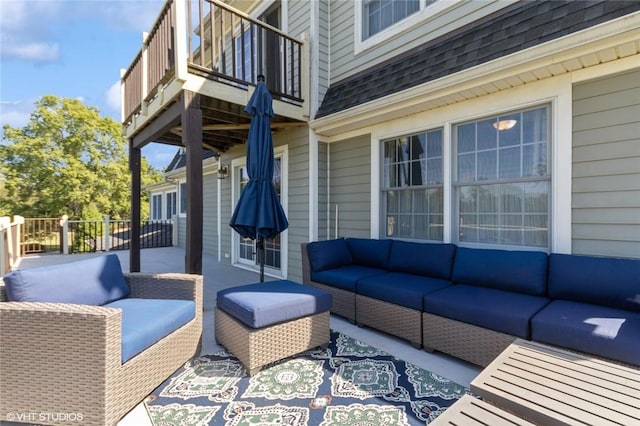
{"x": 473, "y": 303}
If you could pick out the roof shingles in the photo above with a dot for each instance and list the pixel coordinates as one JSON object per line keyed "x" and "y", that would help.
{"x": 512, "y": 29}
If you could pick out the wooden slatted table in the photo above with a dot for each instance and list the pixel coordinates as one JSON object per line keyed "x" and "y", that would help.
{"x": 470, "y": 411}
{"x": 551, "y": 386}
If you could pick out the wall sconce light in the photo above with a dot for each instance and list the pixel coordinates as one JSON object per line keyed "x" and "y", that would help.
{"x": 223, "y": 171}
{"x": 504, "y": 124}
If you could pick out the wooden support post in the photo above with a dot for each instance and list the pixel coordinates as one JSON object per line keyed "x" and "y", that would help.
{"x": 135, "y": 158}
{"x": 192, "y": 140}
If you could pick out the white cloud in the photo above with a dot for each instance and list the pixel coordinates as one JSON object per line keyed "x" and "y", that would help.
{"x": 31, "y": 51}
{"x": 112, "y": 96}
{"x": 13, "y": 116}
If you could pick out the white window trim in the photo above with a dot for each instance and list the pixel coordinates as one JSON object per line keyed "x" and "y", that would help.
{"x": 283, "y": 153}
{"x": 179, "y": 213}
{"x": 423, "y": 16}
{"x": 556, "y": 92}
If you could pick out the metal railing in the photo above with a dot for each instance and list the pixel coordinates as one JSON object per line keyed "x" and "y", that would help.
{"x": 222, "y": 43}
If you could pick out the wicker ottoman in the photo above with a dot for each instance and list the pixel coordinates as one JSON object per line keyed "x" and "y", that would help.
{"x": 266, "y": 322}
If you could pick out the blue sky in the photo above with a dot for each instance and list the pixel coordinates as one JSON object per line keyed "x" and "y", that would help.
{"x": 73, "y": 49}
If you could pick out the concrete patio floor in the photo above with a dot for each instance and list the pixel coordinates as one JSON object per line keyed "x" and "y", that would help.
{"x": 219, "y": 275}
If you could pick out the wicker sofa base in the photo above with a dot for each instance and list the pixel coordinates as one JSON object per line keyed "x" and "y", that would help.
{"x": 344, "y": 302}
{"x": 465, "y": 341}
{"x": 393, "y": 319}
{"x": 256, "y": 348}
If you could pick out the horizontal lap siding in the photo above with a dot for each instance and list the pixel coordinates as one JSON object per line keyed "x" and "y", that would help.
{"x": 606, "y": 166}
{"x": 297, "y": 141}
{"x": 350, "y": 187}
{"x": 210, "y": 215}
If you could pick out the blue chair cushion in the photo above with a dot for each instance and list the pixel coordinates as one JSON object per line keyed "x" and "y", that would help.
{"x": 345, "y": 278}
{"x": 598, "y": 280}
{"x": 399, "y": 288}
{"x": 370, "y": 252}
{"x": 263, "y": 304}
{"x": 498, "y": 310}
{"x": 146, "y": 321}
{"x": 518, "y": 271}
{"x": 599, "y": 330}
{"x": 329, "y": 254}
{"x": 94, "y": 281}
{"x": 431, "y": 260}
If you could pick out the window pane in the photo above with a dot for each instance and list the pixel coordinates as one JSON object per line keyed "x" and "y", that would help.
{"x": 392, "y": 202}
{"x": 381, "y": 14}
{"x": 534, "y": 126}
{"x": 468, "y": 199}
{"x": 512, "y": 196}
{"x": 510, "y": 136}
{"x": 488, "y": 230}
{"x": 392, "y": 220}
{"x": 487, "y": 134}
{"x": 536, "y": 230}
{"x": 534, "y": 159}
{"x": 420, "y": 201}
{"x": 404, "y": 226}
{"x": 436, "y": 200}
{"x": 488, "y": 199}
{"x": 434, "y": 144}
{"x": 509, "y": 160}
{"x": 468, "y": 229}
{"x": 436, "y": 227}
{"x": 466, "y": 167}
{"x": 466, "y": 138}
{"x": 487, "y": 164}
{"x": 404, "y": 198}
{"x": 422, "y": 227}
{"x": 536, "y": 197}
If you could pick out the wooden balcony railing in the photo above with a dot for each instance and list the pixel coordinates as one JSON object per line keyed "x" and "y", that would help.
{"x": 213, "y": 40}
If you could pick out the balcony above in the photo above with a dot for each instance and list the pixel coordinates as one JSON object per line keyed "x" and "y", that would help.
{"x": 217, "y": 52}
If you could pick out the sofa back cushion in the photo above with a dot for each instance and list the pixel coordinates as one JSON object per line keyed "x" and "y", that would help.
{"x": 599, "y": 280}
{"x": 370, "y": 252}
{"x": 519, "y": 271}
{"x": 94, "y": 281}
{"x": 431, "y": 260}
{"x": 329, "y": 254}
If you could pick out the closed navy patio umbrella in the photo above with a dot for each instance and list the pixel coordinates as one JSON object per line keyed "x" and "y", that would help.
{"x": 258, "y": 214}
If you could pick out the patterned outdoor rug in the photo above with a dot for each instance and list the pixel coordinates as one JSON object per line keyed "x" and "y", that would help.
{"x": 349, "y": 383}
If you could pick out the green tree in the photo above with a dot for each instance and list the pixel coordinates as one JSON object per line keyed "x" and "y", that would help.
{"x": 70, "y": 160}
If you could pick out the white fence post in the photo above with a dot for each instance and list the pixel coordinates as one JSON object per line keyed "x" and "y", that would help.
{"x": 64, "y": 223}
{"x": 4, "y": 246}
{"x": 107, "y": 233}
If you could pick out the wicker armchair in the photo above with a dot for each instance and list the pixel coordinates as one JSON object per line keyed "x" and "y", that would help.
{"x": 61, "y": 363}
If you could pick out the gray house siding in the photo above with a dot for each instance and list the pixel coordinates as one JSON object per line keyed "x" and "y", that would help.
{"x": 297, "y": 141}
{"x": 350, "y": 186}
{"x": 344, "y": 61}
{"x": 606, "y": 166}
{"x": 323, "y": 50}
{"x": 210, "y": 215}
{"x": 182, "y": 231}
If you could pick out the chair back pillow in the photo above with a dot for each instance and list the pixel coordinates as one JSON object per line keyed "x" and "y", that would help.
{"x": 430, "y": 260}
{"x": 328, "y": 254}
{"x": 519, "y": 271}
{"x": 370, "y": 252}
{"x": 94, "y": 281}
{"x": 604, "y": 281}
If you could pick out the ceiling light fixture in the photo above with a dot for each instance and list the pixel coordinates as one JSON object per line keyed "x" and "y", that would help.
{"x": 504, "y": 124}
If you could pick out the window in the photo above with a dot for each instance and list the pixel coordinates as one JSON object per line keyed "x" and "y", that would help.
{"x": 377, "y": 15}
{"x": 502, "y": 188}
{"x": 412, "y": 186}
{"x": 183, "y": 197}
{"x": 171, "y": 204}
{"x": 156, "y": 207}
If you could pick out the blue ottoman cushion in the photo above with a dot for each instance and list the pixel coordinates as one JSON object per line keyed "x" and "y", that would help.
{"x": 346, "y": 277}
{"x": 498, "y": 310}
{"x": 146, "y": 321}
{"x": 262, "y": 304}
{"x": 399, "y": 288}
{"x": 599, "y": 330}
{"x": 94, "y": 281}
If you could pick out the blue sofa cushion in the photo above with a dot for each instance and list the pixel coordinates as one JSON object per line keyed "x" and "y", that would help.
{"x": 146, "y": 321}
{"x": 400, "y": 288}
{"x": 329, "y": 254}
{"x": 370, "y": 252}
{"x": 498, "y": 310}
{"x": 599, "y": 330}
{"x": 518, "y": 271}
{"x": 345, "y": 277}
{"x": 599, "y": 280}
{"x": 431, "y": 260}
{"x": 94, "y": 281}
{"x": 272, "y": 302}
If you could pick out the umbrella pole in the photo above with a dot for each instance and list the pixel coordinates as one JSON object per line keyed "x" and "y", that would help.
{"x": 260, "y": 247}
